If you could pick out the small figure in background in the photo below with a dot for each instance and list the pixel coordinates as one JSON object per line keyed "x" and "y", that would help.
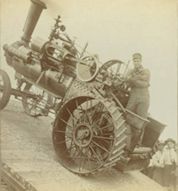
{"x": 157, "y": 164}
{"x": 170, "y": 162}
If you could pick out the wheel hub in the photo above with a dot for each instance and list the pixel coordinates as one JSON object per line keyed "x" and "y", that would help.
{"x": 82, "y": 135}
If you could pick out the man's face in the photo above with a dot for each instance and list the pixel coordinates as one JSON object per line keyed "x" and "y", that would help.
{"x": 137, "y": 62}
{"x": 170, "y": 145}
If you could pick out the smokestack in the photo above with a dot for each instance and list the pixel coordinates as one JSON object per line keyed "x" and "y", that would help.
{"x": 33, "y": 15}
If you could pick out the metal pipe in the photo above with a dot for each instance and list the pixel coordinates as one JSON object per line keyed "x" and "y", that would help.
{"x": 32, "y": 18}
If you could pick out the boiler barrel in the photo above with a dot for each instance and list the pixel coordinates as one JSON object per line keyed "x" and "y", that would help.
{"x": 49, "y": 80}
{"x": 56, "y": 82}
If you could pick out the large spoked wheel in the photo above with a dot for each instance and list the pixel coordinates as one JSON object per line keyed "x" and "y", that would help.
{"x": 5, "y": 89}
{"x": 87, "y": 68}
{"x": 31, "y": 104}
{"x": 83, "y": 135}
{"x": 114, "y": 70}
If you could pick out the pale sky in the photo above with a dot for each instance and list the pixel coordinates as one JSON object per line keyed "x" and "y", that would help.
{"x": 114, "y": 29}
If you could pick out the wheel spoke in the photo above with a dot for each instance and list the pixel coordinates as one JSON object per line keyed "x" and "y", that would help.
{"x": 86, "y": 112}
{"x": 97, "y": 109}
{"x": 64, "y": 132}
{"x": 72, "y": 145}
{"x": 79, "y": 105}
{"x": 111, "y": 71}
{"x": 98, "y": 121}
{"x": 59, "y": 131}
{"x": 96, "y": 155}
{"x": 71, "y": 114}
{"x": 88, "y": 154}
{"x": 102, "y": 137}
{"x": 66, "y": 123}
{"x": 107, "y": 126}
{"x": 94, "y": 111}
{"x": 118, "y": 68}
{"x": 76, "y": 103}
{"x": 81, "y": 163}
{"x": 78, "y": 152}
{"x": 101, "y": 147}
{"x": 64, "y": 141}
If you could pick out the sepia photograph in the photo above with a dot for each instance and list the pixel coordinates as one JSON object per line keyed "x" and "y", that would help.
{"x": 88, "y": 95}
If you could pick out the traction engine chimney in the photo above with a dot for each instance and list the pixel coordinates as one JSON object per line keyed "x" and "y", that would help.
{"x": 32, "y": 18}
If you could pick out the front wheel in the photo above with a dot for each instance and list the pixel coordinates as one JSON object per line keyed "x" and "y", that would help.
{"x": 30, "y": 104}
{"x": 5, "y": 89}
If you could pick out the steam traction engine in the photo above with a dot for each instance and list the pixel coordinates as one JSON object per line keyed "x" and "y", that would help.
{"x": 92, "y": 129}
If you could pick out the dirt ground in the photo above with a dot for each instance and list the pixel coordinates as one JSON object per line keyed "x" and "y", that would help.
{"x": 26, "y": 146}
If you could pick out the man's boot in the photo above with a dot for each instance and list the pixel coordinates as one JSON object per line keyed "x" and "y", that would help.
{"x": 136, "y": 133}
{"x": 136, "y": 140}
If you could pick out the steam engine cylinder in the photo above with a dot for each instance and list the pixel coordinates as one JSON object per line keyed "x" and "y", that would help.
{"x": 51, "y": 81}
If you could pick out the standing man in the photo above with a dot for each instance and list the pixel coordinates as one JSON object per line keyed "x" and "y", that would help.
{"x": 139, "y": 81}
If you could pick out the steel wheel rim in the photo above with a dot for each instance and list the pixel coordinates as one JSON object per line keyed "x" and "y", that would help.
{"x": 96, "y": 137}
{"x": 114, "y": 68}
